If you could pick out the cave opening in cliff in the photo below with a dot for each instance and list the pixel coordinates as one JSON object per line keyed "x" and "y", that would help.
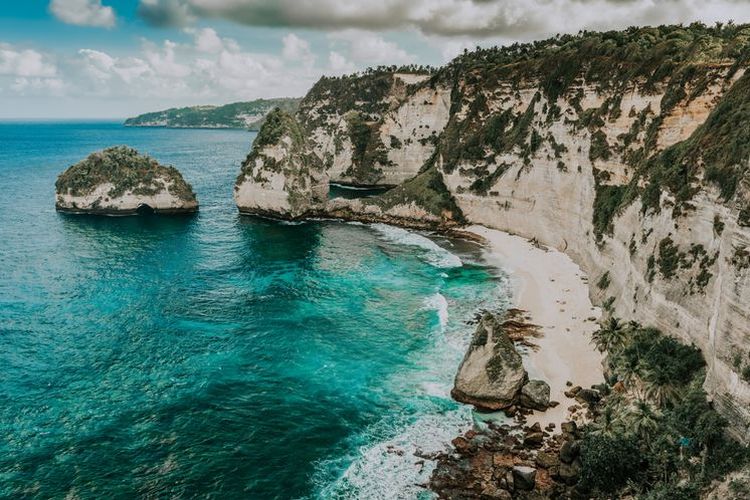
{"x": 350, "y": 192}
{"x": 144, "y": 209}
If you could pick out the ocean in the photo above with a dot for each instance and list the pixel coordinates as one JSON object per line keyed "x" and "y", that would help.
{"x": 218, "y": 355}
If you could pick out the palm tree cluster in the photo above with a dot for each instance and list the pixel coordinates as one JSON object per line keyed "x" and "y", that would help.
{"x": 659, "y": 423}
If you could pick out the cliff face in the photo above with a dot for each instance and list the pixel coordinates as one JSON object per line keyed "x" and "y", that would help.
{"x": 119, "y": 181}
{"x": 630, "y": 151}
{"x": 375, "y": 129}
{"x": 281, "y": 177}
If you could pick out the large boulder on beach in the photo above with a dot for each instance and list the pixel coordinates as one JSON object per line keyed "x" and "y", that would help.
{"x": 281, "y": 177}
{"x": 535, "y": 395}
{"x": 120, "y": 181}
{"x": 491, "y": 373}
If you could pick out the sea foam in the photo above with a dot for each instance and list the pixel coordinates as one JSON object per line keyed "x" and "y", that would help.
{"x": 434, "y": 253}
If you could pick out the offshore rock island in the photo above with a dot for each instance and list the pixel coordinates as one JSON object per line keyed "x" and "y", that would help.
{"x": 120, "y": 181}
{"x": 630, "y": 152}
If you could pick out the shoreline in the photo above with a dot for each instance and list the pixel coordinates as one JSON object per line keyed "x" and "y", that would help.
{"x": 554, "y": 292}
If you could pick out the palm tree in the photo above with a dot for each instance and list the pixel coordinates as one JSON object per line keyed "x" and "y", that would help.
{"x": 661, "y": 392}
{"x": 641, "y": 418}
{"x": 608, "y": 423}
{"x": 612, "y": 335}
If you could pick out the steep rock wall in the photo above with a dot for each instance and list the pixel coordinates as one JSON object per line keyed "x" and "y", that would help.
{"x": 634, "y": 161}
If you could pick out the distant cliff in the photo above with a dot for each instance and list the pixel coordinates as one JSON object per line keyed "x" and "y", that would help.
{"x": 628, "y": 150}
{"x": 242, "y": 115}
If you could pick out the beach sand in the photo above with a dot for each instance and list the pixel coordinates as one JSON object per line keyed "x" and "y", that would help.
{"x": 554, "y": 291}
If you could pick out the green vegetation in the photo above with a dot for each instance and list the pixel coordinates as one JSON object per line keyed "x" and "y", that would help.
{"x": 656, "y": 435}
{"x": 280, "y": 124}
{"x": 604, "y": 281}
{"x": 669, "y": 257}
{"x": 681, "y": 61}
{"x": 427, "y": 190}
{"x": 607, "y": 203}
{"x": 126, "y": 170}
{"x": 247, "y": 115}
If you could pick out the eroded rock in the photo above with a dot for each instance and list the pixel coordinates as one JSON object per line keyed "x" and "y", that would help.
{"x": 491, "y": 374}
{"x": 121, "y": 181}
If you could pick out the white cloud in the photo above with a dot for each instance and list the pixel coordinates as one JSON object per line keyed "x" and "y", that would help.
{"x": 368, "y": 49}
{"x": 338, "y": 63}
{"x": 25, "y": 63}
{"x": 207, "y": 40}
{"x": 297, "y": 49}
{"x": 83, "y": 12}
{"x": 38, "y": 86}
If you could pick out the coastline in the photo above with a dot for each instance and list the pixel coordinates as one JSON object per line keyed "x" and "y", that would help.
{"x": 554, "y": 291}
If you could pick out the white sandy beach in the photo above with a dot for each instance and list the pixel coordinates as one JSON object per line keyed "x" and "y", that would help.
{"x": 554, "y": 291}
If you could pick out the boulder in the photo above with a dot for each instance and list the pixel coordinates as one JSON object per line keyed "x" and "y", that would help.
{"x": 547, "y": 460}
{"x": 588, "y": 396}
{"x": 569, "y": 451}
{"x": 569, "y": 473}
{"x": 524, "y": 478}
{"x": 535, "y": 395}
{"x": 491, "y": 373}
{"x": 121, "y": 181}
{"x": 569, "y": 427}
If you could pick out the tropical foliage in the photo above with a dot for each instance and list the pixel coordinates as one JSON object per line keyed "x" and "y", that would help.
{"x": 656, "y": 435}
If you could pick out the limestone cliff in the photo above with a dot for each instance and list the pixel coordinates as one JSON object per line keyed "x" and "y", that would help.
{"x": 281, "y": 177}
{"x": 119, "y": 181}
{"x": 628, "y": 150}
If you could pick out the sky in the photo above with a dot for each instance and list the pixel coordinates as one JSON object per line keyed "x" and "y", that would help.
{"x": 118, "y": 58}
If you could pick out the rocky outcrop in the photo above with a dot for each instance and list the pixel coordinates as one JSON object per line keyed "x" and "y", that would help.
{"x": 492, "y": 373}
{"x": 281, "y": 177}
{"x": 496, "y": 463}
{"x": 627, "y": 150}
{"x": 120, "y": 181}
{"x": 376, "y": 128}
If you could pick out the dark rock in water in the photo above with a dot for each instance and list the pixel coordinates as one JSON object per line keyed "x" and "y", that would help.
{"x": 535, "y": 395}
{"x": 569, "y": 451}
{"x": 524, "y": 478}
{"x": 491, "y": 373}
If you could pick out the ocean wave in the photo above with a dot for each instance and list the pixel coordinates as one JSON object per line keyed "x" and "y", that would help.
{"x": 391, "y": 468}
{"x": 435, "y": 254}
{"x": 439, "y": 304}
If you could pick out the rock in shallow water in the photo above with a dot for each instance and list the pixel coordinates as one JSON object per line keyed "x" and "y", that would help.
{"x": 120, "y": 181}
{"x": 491, "y": 373}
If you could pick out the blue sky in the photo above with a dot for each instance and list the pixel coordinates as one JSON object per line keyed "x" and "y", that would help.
{"x": 116, "y": 58}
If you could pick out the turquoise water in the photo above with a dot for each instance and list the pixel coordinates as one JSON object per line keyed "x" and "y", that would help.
{"x": 216, "y": 355}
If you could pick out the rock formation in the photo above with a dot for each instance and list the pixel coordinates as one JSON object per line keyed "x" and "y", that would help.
{"x": 628, "y": 150}
{"x": 492, "y": 373}
{"x": 119, "y": 181}
{"x": 281, "y": 177}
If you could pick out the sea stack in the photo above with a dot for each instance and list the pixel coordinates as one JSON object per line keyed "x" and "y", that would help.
{"x": 120, "y": 181}
{"x": 281, "y": 176}
{"x": 492, "y": 373}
